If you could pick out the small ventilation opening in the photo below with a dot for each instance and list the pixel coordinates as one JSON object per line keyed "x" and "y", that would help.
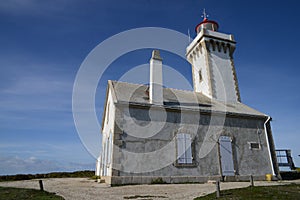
{"x": 254, "y": 145}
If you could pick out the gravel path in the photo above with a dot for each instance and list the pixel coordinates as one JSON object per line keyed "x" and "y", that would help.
{"x": 83, "y": 188}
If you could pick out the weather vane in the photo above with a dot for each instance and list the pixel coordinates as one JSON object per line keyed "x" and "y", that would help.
{"x": 204, "y": 15}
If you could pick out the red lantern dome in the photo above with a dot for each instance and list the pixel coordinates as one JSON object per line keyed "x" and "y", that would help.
{"x": 207, "y": 24}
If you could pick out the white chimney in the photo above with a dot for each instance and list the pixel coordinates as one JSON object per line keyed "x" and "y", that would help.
{"x": 156, "y": 85}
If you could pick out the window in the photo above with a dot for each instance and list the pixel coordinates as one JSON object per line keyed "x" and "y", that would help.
{"x": 200, "y": 76}
{"x": 254, "y": 145}
{"x": 184, "y": 149}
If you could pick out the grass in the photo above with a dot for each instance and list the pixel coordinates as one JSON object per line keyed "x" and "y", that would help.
{"x": 280, "y": 192}
{"x": 9, "y": 193}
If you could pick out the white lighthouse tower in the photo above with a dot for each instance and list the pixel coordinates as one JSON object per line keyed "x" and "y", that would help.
{"x": 211, "y": 57}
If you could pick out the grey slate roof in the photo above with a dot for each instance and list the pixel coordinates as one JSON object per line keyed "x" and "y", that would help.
{"x": 181, "y": 99}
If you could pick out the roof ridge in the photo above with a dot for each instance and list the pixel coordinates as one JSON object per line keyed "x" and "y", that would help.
{"x": 115, "y": 81}
{"x": 184, "y": 90}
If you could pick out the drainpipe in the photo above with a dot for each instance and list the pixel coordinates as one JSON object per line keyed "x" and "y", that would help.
{"x": 268, "y": 143}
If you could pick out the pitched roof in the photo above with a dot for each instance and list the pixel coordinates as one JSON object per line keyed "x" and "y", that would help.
{"x": 138, "y": 94}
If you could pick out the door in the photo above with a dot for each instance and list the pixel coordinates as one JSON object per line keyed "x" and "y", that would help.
{"x": 226, "y": 156}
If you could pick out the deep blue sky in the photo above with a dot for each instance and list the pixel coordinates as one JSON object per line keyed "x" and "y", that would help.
{"x": 43, "y": 44}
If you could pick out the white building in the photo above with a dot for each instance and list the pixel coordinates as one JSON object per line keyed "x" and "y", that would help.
{"x": 199, "y": 135}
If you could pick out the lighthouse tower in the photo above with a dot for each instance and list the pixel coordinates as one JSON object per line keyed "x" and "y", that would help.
{"x": 211, "y": 57}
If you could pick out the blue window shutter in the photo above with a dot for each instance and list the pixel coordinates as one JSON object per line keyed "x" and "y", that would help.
{"x": 181, "y": 148}
{"x": 188, "y": 148}
{"x": 184, "y": 149}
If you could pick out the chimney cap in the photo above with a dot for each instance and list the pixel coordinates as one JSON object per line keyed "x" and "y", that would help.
{"x": 156, "y": 55}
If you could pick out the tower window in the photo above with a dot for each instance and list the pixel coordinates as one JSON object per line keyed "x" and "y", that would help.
{"x": 200, "y": 76}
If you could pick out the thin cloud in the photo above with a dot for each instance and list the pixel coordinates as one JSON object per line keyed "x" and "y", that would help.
{"x": 38, "y": 157}
{"x": 17, "y": 165}
{"x": 42, "y": 92}
{"x": 32, "y": 165}
{"x": 38, "y": 85}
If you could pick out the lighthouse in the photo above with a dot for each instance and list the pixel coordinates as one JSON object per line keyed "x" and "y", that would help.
{"x": 211, "y": 58}
{"x": 204, "y": 134}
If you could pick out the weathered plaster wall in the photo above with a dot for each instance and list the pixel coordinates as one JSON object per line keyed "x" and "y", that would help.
{"x": 222, "y": 77}
{"x": 199, "y": 63}
{"x": 242, "y": 131}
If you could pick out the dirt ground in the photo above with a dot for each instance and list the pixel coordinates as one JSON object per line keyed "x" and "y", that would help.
{"x": 83, "y": 188}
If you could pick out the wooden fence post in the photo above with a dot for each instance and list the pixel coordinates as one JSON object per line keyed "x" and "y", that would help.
{"x": 251, "y": 181}
{"x": 218, "y": 188}
{"x": 41, "y": 185}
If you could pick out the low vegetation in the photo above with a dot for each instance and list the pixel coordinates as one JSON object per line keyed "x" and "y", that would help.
{"x": 280, "y": 192}
{"x": 95, "y": 177}
{"x": 77, "y": 174}
{"x": 158, "y": 181}
{"x": 9, "y": 193}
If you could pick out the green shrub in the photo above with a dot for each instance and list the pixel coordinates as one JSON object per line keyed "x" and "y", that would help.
{"x": 158, "y": 181}
{"x": 96, "y": 177}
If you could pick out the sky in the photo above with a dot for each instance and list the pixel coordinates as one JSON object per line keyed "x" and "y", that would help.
{"x": 44, "y": 43}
